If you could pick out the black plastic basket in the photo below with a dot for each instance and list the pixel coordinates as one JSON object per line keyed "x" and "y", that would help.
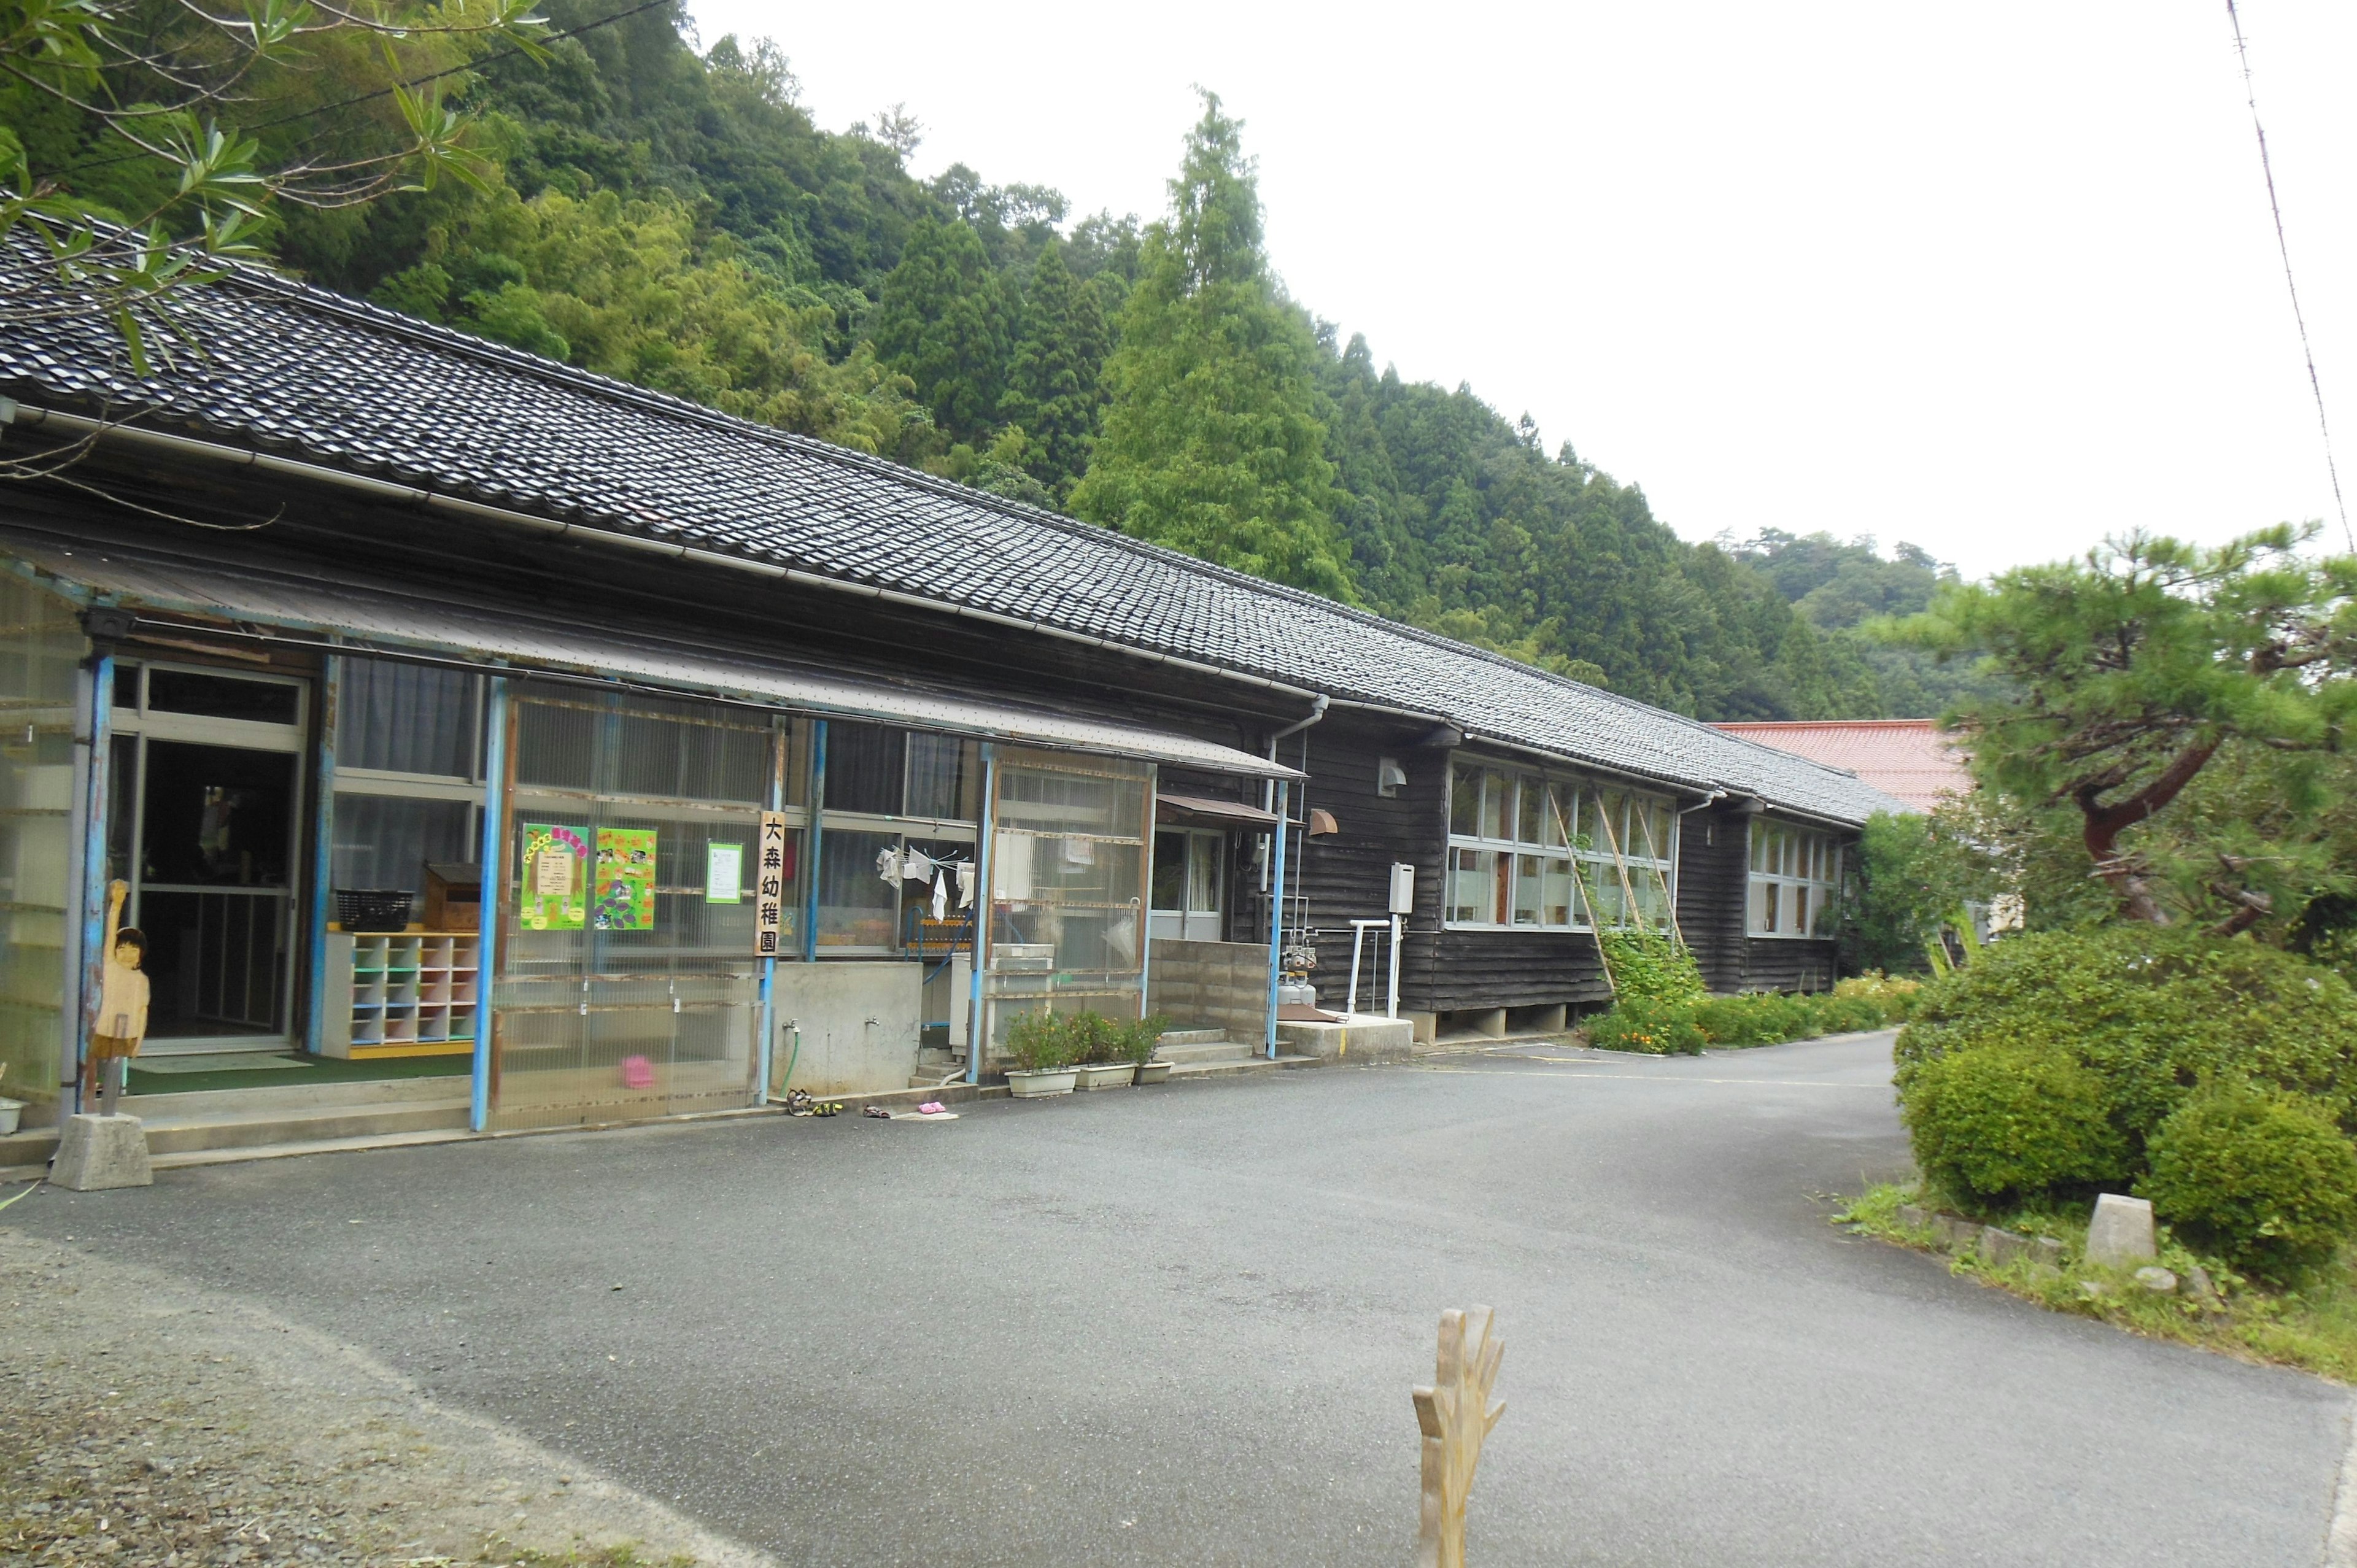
{"x": 374, "y": 909}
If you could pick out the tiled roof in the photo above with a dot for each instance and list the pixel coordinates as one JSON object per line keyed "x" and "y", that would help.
{"x": 1908, "y": 758}
{"x": 302, "y": 373}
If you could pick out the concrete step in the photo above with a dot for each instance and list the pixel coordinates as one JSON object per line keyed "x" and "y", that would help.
{"x": 254, "y": 1128}
{"x": 1192, "y": 1036}
{"x": 297, "y": 1097}
{"x": 27, "y": 1147}
{"x": 1249, "y": 1064}
{"x": 1197, "y": 1053}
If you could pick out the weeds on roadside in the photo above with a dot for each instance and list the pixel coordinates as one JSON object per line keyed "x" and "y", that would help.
{"x": 2312, "y": 1326}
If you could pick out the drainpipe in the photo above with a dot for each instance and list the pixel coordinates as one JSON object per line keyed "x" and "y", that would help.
{"x": 1268, "y": 787}
{"x": 1277, "y": 917}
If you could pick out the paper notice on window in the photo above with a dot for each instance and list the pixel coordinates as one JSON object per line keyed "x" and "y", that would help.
{"x": 724, "y": 872}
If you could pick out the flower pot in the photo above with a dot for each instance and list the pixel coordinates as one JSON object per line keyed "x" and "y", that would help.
{"x": 1105, "y": 1075}
{"x": 1153, "y": 1072}
{"x": 10, "y": 1110}
{"x": 1035, "y": 1085}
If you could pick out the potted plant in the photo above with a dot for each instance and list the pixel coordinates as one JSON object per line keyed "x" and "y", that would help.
{"x": 1139, "y": 1044}
{"x": 1104, "y": 1061}
{"x": 1041, "y": 1044}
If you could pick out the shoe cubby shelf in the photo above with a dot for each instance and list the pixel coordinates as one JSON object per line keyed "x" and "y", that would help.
{"x": 401, "y": 993}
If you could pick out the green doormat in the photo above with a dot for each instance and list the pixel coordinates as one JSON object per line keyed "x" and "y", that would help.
{"x": 221, "y": 1061}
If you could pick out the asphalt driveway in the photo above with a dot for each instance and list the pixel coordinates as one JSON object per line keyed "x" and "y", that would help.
{"x": 1179, "y": 1324}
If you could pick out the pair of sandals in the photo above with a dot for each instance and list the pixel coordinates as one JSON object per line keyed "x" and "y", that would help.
{"x": 800, "y": 1103}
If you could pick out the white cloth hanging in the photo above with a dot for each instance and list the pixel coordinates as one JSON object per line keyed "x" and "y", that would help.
{"x": 941, "y": 894}
{"x": 888, "y": 864}
{"x": 965, "y": 885}
{"x": 916, "y": 866}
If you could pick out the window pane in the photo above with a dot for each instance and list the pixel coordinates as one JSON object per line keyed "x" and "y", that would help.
{"x": 1653, "y": 896}
{"x": 1170, "y": 870}
{"x": 864, "y": 765}
{"x": 679, "y": 751}
{"x": 944, "y": 775}
{"x": 1473, "y": 886}
{"x": 1603, "y": 893}
{"x": 1497, "y": 803}
{"x": 1527, "y": 890}
{"x": 403, "y": 719}
{"x": 1768, "y": 892}
{"x": 1653, "y": 829}
{"x": 855, "y": 905}
{"x": 222, "y": 697}
{"x": 1611, "y": 832}
{"x": 1556, "y": 830}
{"x": 1465, "y": 800}
{"x": 1528, "y": 826}
{"x": 384, "y": 842}
{"x": 1556, "y": 897}
{"x": 1205, "y": 862}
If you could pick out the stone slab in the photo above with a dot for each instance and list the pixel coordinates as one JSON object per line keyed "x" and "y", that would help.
{"x": 96, "y": 1153}
{"x": 2120, "y": 1235}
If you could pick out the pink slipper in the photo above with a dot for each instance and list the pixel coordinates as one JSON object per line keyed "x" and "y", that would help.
{"x": 931, "y": 1108}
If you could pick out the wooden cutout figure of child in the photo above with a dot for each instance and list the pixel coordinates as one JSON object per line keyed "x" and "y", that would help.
{"x": 121, "y": 1022}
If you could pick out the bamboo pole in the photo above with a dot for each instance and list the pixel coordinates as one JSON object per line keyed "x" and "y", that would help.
{"x": 1580, "y": 880}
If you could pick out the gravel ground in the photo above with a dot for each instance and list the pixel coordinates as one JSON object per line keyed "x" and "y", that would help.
{"x": 143, "y": 1421}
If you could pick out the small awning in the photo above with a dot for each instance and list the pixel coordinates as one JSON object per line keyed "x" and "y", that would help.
{"x": 1196, "y": 810}
{"x": 364, "y": 618}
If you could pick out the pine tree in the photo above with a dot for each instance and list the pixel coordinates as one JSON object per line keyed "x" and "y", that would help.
{"x": 1212, "y": 442}
{"x": 1052, "y": 380}
{"x": 941, "y": 321}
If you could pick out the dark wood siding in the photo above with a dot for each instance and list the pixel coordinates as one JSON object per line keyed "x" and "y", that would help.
{"x": 1789, "y": 963}
{"x": 1713, "y": 868}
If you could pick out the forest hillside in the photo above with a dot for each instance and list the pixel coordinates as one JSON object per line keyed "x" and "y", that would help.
{"x": 674, "y": 217}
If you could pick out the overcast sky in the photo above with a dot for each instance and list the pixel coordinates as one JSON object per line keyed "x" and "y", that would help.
{"x": 1996, "y": 280}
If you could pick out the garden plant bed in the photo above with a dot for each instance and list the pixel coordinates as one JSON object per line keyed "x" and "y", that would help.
{"x": 2313, "y": 1327}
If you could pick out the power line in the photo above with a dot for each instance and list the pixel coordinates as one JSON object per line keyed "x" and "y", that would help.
{"x": 2266, "y": 166}
{"x": 388, "y": 91}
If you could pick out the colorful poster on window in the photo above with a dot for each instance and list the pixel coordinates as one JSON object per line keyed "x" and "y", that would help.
{"x": 626, "y": 880}
{"x": 552, "y": 879}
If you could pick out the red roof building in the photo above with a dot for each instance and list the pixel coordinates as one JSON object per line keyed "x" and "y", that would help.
{"x": 1908, "y": 758}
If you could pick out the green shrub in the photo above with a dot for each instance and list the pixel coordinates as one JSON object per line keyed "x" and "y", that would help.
{"x": 2151, "y": 1012}
{"x": 2263, "y": 1178}
{"x": 1138, "y": 1038}
{"x": 1759, "y": 1018}
{"x": 1842, "y": 1015}
{"x": 2010, "y": 1121}
{"x": 1650, "y": 1029}
{"x": 1652, "y": 966}
{"x": 1041, "y": 1042}
{"x": 1895, "y": 998}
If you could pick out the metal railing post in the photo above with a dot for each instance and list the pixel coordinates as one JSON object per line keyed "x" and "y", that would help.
{"x": 1276, "y": 910}
{"x": 487, "y": 923}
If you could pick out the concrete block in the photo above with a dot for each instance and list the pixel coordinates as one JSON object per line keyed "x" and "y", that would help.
{"x": 1956, "y": 1235}
{"x": 95, "y": 1153}
{"x": 2045, "y": 1275}
{"x": 2048, "y": 1252}
{"x": 2120, "y": 1235}
{"x": 2158, "y": 1280}
{"x": 1360, "y": 1038}
{"x": 1913, "y": 1216}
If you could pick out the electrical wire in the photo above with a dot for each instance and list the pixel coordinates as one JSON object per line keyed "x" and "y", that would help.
{"x": 2266, "y": 166}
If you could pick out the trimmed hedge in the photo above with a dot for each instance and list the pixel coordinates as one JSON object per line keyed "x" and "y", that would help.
{"x": 2152, "y": 1013}
{"x": 2010, "y": 1121}
{"x": 2259, "y": 1175}
{"x": 1761, "y": 1018}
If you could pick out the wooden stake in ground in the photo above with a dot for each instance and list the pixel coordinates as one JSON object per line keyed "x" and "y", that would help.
{"x": 1455, "y": 1414}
